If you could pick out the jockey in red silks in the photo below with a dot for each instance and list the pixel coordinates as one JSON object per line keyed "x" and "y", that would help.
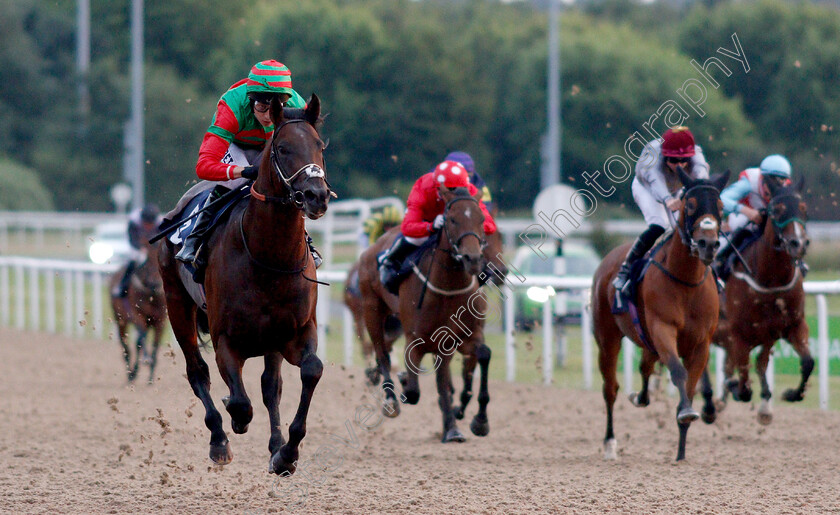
{"x": 424, "y": 215}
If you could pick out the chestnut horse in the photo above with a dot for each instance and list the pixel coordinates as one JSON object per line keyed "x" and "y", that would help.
{"x": 765, "y": 301}
{"x": 677, "y": 305}
{"x": 450, "y": 316}
{"x": 143, "y": 307}
{"x": 260, "y": 288}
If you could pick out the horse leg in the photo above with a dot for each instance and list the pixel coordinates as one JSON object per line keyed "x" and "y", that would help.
{"x": 272, "y": 389}
{"x": 153, "y": 356}
{"x": 284, "y": 461}
{"x": 237, "y": 403}
{"x": 480, "y": 425}
{"x": 646, "y": 365}
{"x": 411, "y": 385}
{"x": 709, "y": 413}
{"x": 607, "y": 363}
{"x": 451, "y": 433}
{"x": 122, "y": 331}
{"x": 182, "y": 313}
{"x": 695, "y": 366}
{"x": 470, "y": 361}
{"x": 740, "y": 355}
{"x": 375, "y": 323}
{"x": 139, "y": 346}
{"x": 765, "y": 411}
{"x": 799, "y": 339}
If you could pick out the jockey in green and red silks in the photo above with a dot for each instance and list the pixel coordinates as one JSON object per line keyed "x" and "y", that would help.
{"x": 232, "y": 146}
{"x": 241, "y": 122}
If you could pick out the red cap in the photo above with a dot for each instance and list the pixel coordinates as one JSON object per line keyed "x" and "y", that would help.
{"x": 678, "y": 142}
{"x": 452, "y": 174}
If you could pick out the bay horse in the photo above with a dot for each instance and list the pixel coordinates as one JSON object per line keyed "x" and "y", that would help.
{"x": 766, "y": 300}
{"x": 260, "y": 288}
{"x": 144, "y": 308}
{"x": 450, "y": 317}
{"x": 677, "y": 305}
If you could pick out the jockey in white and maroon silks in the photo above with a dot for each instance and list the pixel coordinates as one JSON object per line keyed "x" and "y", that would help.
{"x": 424, "y": 215}
{"x": 233, "y": 143}
{"x": 654, "y": 186}
{"x": 743, "y": 201}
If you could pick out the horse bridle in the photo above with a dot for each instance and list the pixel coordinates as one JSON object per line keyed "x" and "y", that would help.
{"x": 312, "y": 171}
{"x": 454, "y": 251}
{"x": 685, "y": 231}
{"x": 779, "y": 225}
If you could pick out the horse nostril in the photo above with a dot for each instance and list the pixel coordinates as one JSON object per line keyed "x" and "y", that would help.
{"x": 794, "y": 244}
{"x": 309, "y": 196}
{"x": 716, "y": 245}
{"x": 807, "y": 243}
{"x": 702, "y": 244}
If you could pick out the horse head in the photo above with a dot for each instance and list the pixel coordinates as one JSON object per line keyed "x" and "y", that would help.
{"x": 787, "y": 213}
{"x": 464, "y": 228}
{"x": 147, "y": 273}
{"x": 296, "y": 157}
{"x": 700, "y": 214}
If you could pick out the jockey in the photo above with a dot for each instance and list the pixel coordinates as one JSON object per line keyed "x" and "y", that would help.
{"x": 141, "y": 224}
{"x": 233, "y": 143}
{"x": 743, "y": 201}
{"x": 655, "y": 186}
{"x": 475, "y": 179}
{"x": 424, "y": 215}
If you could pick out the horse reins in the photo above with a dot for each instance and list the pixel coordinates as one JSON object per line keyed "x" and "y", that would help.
{"x": 271, "y": 268}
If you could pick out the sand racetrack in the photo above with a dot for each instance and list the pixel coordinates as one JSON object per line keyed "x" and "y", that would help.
{"x": 76, "y": 439}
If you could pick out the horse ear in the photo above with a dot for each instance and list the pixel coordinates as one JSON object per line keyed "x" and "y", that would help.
{"x": 313, "y": 110}
{"x": 276, "y": 108}
{"x": 800, "y": 183}
{"x": 685, "y": 179}
{"x": 720, "y": 181}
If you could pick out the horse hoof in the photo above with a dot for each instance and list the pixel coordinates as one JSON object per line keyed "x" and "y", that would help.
{"x": 765, "y": 418}
{"x": 221, "y": 454}
{"x": 238, "y": 428}
{"x": 708, "y": 417}
{"x": 277, "y": 465}
{"x": 611, "y": 449}
{"x": 458, "y": 412}
{"x": 687, "y": 415}
{"x": 454, "y": 435}
{"x": 411, "y": 396}
{"x": 792, "y": 395}
{"x": 391, "y": 408}
{"x": 373, "y": 376}
{"x": 720, "y": 405}
{"x": 480, "y": 426}
{"x": 637, "y": 401}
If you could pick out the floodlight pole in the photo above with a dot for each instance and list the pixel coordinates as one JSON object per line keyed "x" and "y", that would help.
{"x": 551, "y": 168}
{"x": 135, "y": 165}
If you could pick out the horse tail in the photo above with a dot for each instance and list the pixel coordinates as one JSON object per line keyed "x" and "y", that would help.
{"x": 202, "y": 328}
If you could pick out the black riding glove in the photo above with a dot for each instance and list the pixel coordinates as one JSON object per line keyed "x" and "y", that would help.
{"x": 250, "y": 172}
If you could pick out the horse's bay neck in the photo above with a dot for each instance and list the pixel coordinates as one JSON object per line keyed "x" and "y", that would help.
{"x": 772, "y": 266}
{"x": 274, "y": 234}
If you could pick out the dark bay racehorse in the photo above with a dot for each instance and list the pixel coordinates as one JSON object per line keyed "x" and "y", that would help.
{"x": 451, "y": 316}
{"x": 768, "y": 301}
{"x": 677, "y": 305}
{"x": 260, "y": 288}
{"x": 143, "y": 307}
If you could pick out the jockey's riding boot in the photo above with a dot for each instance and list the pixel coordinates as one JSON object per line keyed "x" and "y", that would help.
{"x": 121, "y": 290}
{"x": 316, "y": 256}
{"x": 642, "y": 244}
{"x": 190, "y": 252}
{"x": 392, "y": 260}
